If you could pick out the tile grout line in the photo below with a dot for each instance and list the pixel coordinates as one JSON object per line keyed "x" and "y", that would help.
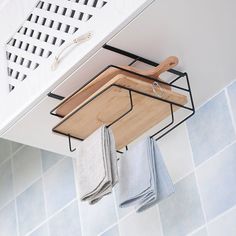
{"x": 215, "y": 155}
{"x": 117, "y": 216}
{"x": 127, "y": 215}
{"x": 184, "y": 176}
{"x": 159, "y": 213}
{"x": 197, "y": 184}
{"x": 77, "y": 193}
{"x": 55, "y": 165}
{"x": 213, "y": 220}
{"x": 116, "y": 204}
{"x": 48, "y": 230}
{"x": 44, "y": 191}
{"x": 14, "y": 194}
{"x": 11, "y": 155}
{"x": 108, "y": 228}
{"x": 230, "y": 109}
{"x": 201, "y": 201}
{"x": 222, "y": 214}
{"x": 13, "y": 189}
{"x": 8, "y": 202}
{"x": 116, "y": 210}
{"x": 196, "y": 230}
{"x": 50, "y": 217}
{"x": 38, "y": 178}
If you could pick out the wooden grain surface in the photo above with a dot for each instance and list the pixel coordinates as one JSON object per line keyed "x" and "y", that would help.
{"x": 110, "y": 105}
{"x": 75, "y": 100}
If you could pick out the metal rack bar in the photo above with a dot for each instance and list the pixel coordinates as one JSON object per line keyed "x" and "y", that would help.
{"x": 168, "y": 128}
{"x": 134, "y": 56}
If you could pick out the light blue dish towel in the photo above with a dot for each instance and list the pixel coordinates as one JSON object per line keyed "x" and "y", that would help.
{"x": 143, "y": 179}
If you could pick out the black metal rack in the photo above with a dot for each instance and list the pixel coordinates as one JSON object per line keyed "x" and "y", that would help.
{"x": 163, "y": 131}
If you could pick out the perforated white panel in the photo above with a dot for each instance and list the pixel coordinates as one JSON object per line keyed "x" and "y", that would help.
{"x": 48, "y": 26}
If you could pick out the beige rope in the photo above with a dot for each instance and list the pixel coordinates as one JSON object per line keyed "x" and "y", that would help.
{"x": 79, "y": 40}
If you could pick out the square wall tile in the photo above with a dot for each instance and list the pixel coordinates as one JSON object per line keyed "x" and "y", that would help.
{"x": 224, "y": 226}
{"x": 139, "y": 224}
{"x": 175, "y": 147}
{"x": 8, "y": 220}
{"x": 66, "y": 222}
{"x": 121, "y": 211}
{"x": 98, "y": 217}
{"x": 210, "y": 129}
{"x": 5, "y": 149}
{"x": 201, "y": 232}
{"x": 30, "y": 208}
{"x": 217, "y": 182}
{"x": 41, "y": 231}
{"x": 181, "y": 213}
{"x": 49, "y": 159}
{"x": 59, "y": 185}
{"x": 114, "y": 231}
{"x": 27, "y": 167}
{"x": 232, "y": 96}
{"x": 15, "y": 146}
{"x": 6, "y": 183}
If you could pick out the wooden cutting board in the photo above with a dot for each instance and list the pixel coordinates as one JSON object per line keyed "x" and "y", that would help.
{"x": 84, "y": 93}
{"x": 114, "y": 102}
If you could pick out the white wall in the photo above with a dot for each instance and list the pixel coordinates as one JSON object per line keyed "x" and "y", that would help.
{"x": 201, "y": 33}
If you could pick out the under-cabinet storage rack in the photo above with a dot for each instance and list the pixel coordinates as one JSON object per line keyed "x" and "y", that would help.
{"x": 136, "y": 112}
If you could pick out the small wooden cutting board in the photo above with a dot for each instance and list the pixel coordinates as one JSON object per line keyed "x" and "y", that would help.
{"x": 113, "y": 103}
{"x": 105, "y": 77}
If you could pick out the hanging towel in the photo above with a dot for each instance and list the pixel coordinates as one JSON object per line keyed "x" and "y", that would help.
{"x": 144, "y": 179}
{"x": 97, "y": 165}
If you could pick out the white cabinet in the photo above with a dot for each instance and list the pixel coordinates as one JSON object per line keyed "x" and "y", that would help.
{"x": 25, "y": 112}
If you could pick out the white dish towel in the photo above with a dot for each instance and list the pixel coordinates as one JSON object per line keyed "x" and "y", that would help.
{"x": 144, "y": 179}
{"x": 97, "y": 165}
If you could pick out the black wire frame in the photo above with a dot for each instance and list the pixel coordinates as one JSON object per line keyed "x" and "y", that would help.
{"x": 163, "y": 131}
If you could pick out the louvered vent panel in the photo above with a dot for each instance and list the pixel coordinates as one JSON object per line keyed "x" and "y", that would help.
{"x": 48, "y": 26}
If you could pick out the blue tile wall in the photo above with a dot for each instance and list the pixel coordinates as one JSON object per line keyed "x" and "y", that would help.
{"x": 38, "y": 188}
{"x": 27, "y": 167}
{"x": 41, "y": 231}
{"x": 145, "y": 223}
{"x": 6, "y": 183}
{"x": 96, "y": 218}
{"x": 5, "y": 150}
{"x": 31, "y": 208}
{"x": 224, "y": 225}
{"x": 211, "y": 129}
{"x": 114, "y": 231}
{"x": 60, "y": 186}
{"x": 67, "y": 222}
{"x": 201, "y": 232}
{"x": 16, "y": 146}
{"x": 182, "y": 213}
{"x": 49, "y": 159}
{"x": 8, "y": 225}
{"x": 217, "y": 182}
{"x": 232, "y": 96}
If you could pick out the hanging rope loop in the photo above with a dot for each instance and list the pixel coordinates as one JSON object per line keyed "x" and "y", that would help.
{"x": 79, "y": 40}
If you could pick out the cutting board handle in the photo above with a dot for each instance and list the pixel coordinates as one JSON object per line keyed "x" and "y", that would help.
{"x": 167, "y": 64}
{"x": 164, "y": 66}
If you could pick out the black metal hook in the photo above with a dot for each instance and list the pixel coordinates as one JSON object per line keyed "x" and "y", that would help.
{"x": 70, "y": 146}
